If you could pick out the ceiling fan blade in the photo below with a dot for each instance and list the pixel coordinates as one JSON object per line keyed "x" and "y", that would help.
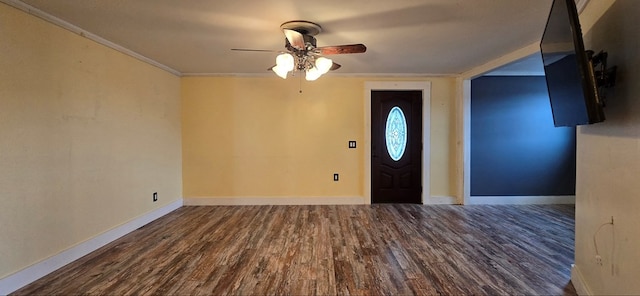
{"x": 341, "y": 49}
{"x": 335, "y": 66}
{"x": 257, "y": 50}
{"x": 295, "y": 38}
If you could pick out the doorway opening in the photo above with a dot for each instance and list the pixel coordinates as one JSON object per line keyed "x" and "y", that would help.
{"x": 424, "y": 87}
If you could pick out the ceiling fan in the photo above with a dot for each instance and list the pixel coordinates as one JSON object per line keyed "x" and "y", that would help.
{"x": 302, "y": 54}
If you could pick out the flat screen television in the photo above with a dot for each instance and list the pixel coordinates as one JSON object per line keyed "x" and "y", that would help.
{"x": 568, "y": 69}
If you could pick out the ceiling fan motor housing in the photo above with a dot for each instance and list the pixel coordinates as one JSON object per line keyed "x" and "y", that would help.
{"x": 303, "y": 53}
{"x": 309, "y": 41}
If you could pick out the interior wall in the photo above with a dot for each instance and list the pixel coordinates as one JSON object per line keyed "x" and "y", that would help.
{"x": 516, "y": 150}
{"x": 259, "y": 136}
{"x": 608, "y": 159}
{"x": 88, "y": 134}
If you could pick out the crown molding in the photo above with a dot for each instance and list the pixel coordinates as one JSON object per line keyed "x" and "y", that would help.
{"x": 581, "y": 4}
{"x": 344, "y": 75}
{"x": 86, "y": 34}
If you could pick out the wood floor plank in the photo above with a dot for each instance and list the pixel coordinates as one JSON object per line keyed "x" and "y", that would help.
{"x": 332, "y": 250}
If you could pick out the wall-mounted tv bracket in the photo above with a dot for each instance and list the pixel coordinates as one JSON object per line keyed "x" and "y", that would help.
{"x": 605, "y": 77}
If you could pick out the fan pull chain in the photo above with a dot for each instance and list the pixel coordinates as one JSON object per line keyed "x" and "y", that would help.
{"x": 300, "y": 83}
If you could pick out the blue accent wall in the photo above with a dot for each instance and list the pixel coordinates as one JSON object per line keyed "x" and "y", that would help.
{"x": 515, "y": 148}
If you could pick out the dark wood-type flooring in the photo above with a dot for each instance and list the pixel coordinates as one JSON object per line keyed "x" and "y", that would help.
{"x": 327, "y": 250}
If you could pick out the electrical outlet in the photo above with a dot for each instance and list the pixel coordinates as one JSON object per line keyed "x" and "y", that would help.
{"x": 599, "y": 260}
{"x": 336, "y": 177}
{"x": 155, "y": 196}
{"x": 352, "y": 144}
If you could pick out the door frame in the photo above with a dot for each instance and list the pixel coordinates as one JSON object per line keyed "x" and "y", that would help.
{"x": 425, "y": 87}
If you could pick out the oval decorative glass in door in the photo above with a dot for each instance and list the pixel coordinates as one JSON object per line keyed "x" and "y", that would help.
{"x": 396, "y": 133}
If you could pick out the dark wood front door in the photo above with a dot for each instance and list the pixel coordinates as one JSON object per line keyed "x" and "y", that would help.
{"x": 396, "y": 146}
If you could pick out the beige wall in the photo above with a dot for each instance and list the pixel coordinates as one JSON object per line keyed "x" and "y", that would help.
{"x": 87, "y": 135}
{"x": 258, "y": 136}
{"x": 608, "y": 158}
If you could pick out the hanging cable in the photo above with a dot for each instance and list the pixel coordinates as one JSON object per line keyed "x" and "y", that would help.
{"x": 595, "y": 244}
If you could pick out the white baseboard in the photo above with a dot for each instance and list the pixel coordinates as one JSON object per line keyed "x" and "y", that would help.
{"x": 521, "y": 200}
{"x": 28, "y": 275}
{"x": 441, "y": 200}
{"x": 578, "y": 281}
{"x": 273, "y": 200}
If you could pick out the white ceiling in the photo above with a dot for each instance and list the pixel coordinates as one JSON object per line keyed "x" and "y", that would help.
{"x": 439, "y": 37}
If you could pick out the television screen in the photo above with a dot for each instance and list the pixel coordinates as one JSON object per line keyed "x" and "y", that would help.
{"x": 568, "y": 70}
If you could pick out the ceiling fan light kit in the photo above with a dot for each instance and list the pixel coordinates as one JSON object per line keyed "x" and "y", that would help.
{"x": 284, "y": 64}
{"x": 314, "y": 67}
{"x": 324, "y": 64}
{"x": 302, "y": 53}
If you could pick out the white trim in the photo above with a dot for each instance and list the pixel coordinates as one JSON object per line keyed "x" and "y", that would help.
{"x": 330, "y": 74}
{"x": 521, "y": 200}
{"x": 18, "y": 4}
{"x": 28, "y": 275}
{"x": 243, "y": 75}
{"x": 515, "y": 73}
{"x": 425, "y": 87}
{"x": 465, "y": 133}
{"x": 578, "y": 281}
{"x": 393, "y": 75}
{"x": 273, "y": 200}
{"x": 503, "y": 60}
{"x": 84, "y": 33}
{"x": 464, "y": 112}
{"x": 581, "y": 4}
